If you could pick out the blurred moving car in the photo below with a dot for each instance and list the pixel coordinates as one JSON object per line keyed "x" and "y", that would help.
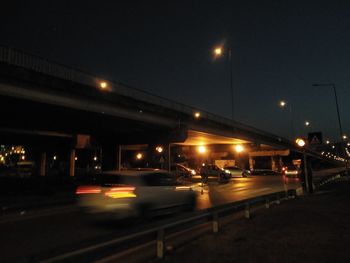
{"x": 180, "y": 170}
{"x": 134, "y": 193}
{"x": 235, "y": 171}
{"x": 291, "y": 171}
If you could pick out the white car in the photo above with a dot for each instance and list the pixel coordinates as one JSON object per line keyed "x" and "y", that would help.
{"x": 122, "y": 194}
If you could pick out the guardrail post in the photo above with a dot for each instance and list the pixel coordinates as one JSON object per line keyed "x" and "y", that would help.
{"x": 267, "y": 203}
{"x": 278, "y": 201}
{"x": 215, "y": 222}
{"x": 160, "y": 243}
{"x": 247, "y": 210}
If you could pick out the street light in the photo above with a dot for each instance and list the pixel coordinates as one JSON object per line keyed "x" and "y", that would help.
{"x": 301, "y": 143}
{"x": 202, "y": 149}
{"x": 197, "y": 114}
{"x": 239, "y": 148}
{"x": 219, "y": 51}
{"x": 284, "y": 104}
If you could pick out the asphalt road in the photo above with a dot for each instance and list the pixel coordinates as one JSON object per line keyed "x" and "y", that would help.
{"x": 63, "y": 229}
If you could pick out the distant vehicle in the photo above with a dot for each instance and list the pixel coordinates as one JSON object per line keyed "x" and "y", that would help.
{"x": 264, "y": 172}
{"x": 291, "y": 171}
{"x": 123, "y": 194}
{"x": 180, "y": 170}
{"x": 235, "y": 171}
{"x": 212, "y": 170}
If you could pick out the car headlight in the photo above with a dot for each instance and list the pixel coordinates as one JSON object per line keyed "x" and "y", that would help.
{"x": 227, "y": 171}
{"x": 193, "y": 172}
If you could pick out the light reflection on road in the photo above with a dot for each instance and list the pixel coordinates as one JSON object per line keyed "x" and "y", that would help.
{"x": 214, "y": 193}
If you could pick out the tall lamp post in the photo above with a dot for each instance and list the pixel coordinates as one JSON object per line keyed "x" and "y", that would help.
{"x": 336, "y": 103}
{"x": 284, "y": 104}
{"x": 218, "y": 51}
{"x": 342, "y": 136}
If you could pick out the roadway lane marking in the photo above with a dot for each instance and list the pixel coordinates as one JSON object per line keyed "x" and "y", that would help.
{"x": 240, "y": 189}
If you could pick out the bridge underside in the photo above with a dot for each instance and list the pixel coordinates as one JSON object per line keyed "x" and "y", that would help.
{"x": 29, "y": 122}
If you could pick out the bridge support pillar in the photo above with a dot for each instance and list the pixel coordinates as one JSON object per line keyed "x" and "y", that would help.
{"x": 72, "y": 163}
{"x": 273, "y": 163}
{"x": 43, "y": 164}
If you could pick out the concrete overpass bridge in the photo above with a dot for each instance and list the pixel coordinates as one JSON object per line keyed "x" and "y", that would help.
{"x": 50, "y": 106}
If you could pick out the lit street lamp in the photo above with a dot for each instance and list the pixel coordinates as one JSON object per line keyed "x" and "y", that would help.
{"x": 284, "y": 104}
{"x": 218, "y": 52}
{"x": 307, "y": 177}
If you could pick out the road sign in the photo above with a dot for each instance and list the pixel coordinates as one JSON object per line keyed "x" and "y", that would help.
{"x": 315, "y": 138}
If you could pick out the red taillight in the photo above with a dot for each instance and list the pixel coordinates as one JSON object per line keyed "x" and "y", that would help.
{"x": 121, "y": 192}
{"x": 88, "y": 189}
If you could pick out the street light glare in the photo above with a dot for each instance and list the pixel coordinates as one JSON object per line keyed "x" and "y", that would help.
{"x": 282, "y": 103}
{"x": 239, "y": 148}
{"x": 197, "y": 114}
{"x": 103, "y": 85}
{"x": 202, "y": 149}
{"x": 218, "y": 51}
{"x": 307, "y": 123}
{"x": 300, "y": 142}
{"x": 159, "y": 149}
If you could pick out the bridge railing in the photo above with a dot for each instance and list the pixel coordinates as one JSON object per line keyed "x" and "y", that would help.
{"x": 39, "y": 64}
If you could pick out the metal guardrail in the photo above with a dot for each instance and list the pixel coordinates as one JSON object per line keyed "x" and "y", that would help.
{"x": 212, "y": 214}
{"x": 25, "y": 60}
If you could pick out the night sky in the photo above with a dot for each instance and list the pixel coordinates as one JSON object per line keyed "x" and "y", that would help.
{"x": 279, "y": 49}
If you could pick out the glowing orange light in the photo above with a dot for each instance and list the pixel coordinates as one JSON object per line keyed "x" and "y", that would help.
{"x": 300, "y": 142}
{"x": 202, "y": 149}
{"x": 239, "y": 148}
{"x": 103, "y": 85}
{"x": 218, "y": 51}
{"x": 88, "y": 190}
{"x": 159, "y": 149}
{"x": 197, "y": 114}
{"x": 139, "y": 156}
